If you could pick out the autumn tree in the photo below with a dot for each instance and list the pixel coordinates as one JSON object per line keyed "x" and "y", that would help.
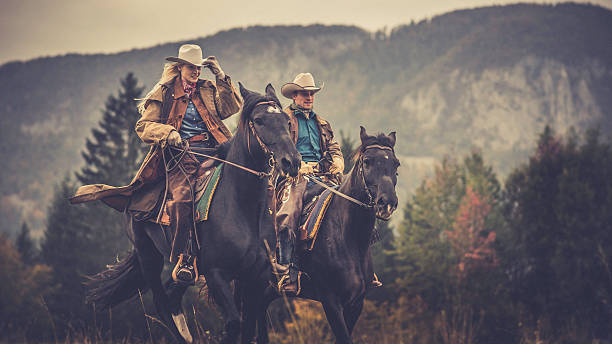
{"x": 22, "y": 291}
{"x": 446, "y": 254}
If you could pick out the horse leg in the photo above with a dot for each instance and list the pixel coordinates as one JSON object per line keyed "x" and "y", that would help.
{"x": 262, "y": 318}
{"x": 151, "y": 264}
{"x": 335, "y": 318}
{"x": 175, "y": 292}
{"x": 352, "y": 313}
{"x": 252, "y": 306}
{"x": 221, "y": 292}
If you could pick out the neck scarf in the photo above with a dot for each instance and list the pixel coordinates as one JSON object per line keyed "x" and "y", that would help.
{"x": 298, "y": 108}
{"x": 188, "y": 87}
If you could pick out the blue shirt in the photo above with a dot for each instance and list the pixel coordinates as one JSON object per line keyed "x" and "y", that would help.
{"x": 192, "y": 123}
{"x": 309, "y": 137}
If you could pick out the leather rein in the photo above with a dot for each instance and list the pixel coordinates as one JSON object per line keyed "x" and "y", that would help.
{"x": 262, "y": 145}
{"x": 370, "y": 203}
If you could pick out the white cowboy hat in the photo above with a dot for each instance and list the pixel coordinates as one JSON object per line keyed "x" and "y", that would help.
{"x": 188, "y": 53}
{"x": 302, "y": 82}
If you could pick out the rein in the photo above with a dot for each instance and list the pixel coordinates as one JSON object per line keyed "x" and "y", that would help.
{"x": 259, "y": 174}
{"x": 262, "y": 145}
{"x": 370, "y": 204}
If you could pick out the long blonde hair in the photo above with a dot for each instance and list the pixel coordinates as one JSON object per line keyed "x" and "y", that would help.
{"x": 171, "y": 70}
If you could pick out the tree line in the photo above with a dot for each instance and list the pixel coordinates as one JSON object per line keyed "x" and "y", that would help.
{"x": 473, "y": 260}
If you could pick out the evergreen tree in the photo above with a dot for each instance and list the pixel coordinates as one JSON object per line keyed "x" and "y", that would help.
{"x": 347, "y": 146}
{"x": 445, "y": 251}
{"x": 69, "y": 249}
{"x": 115, "y": 152}
{"x": 81, "y": 239}
{"x": 559, "y": 209}
{"x": 25, "y": 245}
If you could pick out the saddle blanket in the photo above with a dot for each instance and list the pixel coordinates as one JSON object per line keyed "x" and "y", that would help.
{"x": 315, "y": 217}
{"x": 206, "y": 195}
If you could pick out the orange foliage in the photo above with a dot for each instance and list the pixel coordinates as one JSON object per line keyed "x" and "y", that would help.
{"x": 469, "y": 237}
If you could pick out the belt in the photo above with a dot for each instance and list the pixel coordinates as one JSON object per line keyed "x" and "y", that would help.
{"x": 199, "y": 138}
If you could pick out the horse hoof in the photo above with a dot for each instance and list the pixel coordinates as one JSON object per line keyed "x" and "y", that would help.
{"x": 181, "y": 325}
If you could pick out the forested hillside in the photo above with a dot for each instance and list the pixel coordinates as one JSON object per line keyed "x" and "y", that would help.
{"x": 489, "y": 77}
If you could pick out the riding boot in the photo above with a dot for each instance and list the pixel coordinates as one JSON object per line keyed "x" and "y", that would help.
{"x": 285, "y": 246}
{"x": 180, "y": 209}
{"x": 289, "y": 284}
{"x": 185, "y": 270}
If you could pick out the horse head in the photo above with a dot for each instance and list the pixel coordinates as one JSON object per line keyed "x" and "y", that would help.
{"x": 262, "y": 115}
{"x": 378, "y": 167}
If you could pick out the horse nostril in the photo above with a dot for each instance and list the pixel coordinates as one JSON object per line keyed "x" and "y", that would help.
{"x": 381, "y": 202}
{"x": 285, "y": 164}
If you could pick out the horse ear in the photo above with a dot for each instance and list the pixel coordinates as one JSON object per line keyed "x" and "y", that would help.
{"x": 392, "y": 137}
{"x": 243, "y": 91}
{"x": 271, "y": 92}
{"x": 362, "y": 134}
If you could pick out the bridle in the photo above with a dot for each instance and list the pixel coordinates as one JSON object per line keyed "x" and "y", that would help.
{"x": 262, "y": 145}
{"x": 363, "y": 181}
{"x": 370, "y": 203}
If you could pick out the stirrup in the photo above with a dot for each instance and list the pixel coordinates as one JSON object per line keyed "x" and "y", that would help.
{"x": 285, "y": 286}
{"x": 280, "y": 269}
{"x": 375, "y": 283}
{"x": 184, "y": 272}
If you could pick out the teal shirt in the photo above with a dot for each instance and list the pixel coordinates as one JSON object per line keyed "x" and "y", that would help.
{"x": 308, "y": 141}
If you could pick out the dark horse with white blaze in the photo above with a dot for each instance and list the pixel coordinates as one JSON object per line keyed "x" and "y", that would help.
{"x": 340, "y": 264}
{"x": 231, "y": 240}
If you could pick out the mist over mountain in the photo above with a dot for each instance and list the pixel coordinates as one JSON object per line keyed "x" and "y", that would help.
{"x": 489, "y": 78}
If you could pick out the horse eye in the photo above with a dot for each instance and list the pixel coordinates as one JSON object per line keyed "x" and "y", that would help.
{"x": 258, "y": 121}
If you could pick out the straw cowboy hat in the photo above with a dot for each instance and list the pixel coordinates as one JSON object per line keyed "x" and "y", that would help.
{"x": 188, "y": 53}
{"x": 302, "y": 82}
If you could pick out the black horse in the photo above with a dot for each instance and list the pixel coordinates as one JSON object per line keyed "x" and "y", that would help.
{"x": 231, "y": 240}
{"x": 340, "y": 264}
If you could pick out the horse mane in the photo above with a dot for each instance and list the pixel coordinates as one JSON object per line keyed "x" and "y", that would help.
{"x": 249, "y": 103}
{"x": 222, "y": 149}
{"x": 378, "y": 139}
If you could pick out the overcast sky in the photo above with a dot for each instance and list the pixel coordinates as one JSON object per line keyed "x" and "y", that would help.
{"x": 34, "y": 28}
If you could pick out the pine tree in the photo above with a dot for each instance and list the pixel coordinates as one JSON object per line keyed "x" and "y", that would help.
{"x": 25, "y": 245}
{"x": 81, "y": 239}
{"x": 115, "y": 152}
{"x": 558, "y": 206}
{"x": 112, "y": 157}
{"x": 69, "y": 248}
{"x": 347, "y": 146}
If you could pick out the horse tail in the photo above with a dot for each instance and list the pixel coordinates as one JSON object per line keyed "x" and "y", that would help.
{"x": 119, "y": 282}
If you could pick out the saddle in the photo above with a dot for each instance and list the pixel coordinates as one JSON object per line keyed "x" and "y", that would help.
{"x": 312, "y": 215}
{"x": 209, "y": 175}
{"x": 205, "y": 188}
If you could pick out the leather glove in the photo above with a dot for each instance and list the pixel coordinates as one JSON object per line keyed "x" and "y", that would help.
{"x": 174, "y": 138}
{"x": 212, "y": 64}
{"x": 305, "y": 169}
{"x": 337, "y": 165}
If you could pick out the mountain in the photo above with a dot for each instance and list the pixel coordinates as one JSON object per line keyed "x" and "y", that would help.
{"x": 488, "y": 77}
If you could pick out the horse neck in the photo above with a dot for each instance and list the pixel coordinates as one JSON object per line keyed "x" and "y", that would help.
{"x": 243, "y": 182}
{"x": 358, "y": 221}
